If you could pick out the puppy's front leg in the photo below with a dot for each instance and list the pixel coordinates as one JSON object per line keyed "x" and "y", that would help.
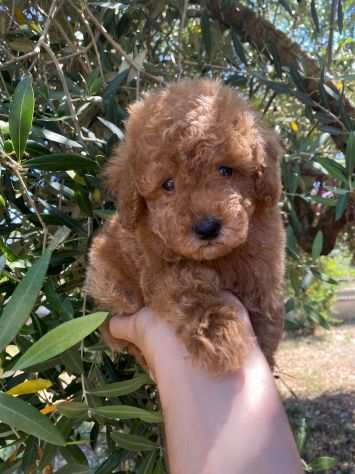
{"x": 190, "y": 297}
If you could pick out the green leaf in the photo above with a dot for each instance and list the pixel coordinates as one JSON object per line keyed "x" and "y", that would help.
{"x": 60, "y": 339}
{"x": 23, "y": 300}
{"x": 121, "y": 388}
{"x": 315, "y": 15}
{"x": 286, "y": 6}
{"x": 333, "y": 168}
{"x": 126, "y": 412}
{"x": 350, "y": 154}
{"x": 344, "y": 77}
{"x": 73, "y": 455}
{"x": 341, "y": 206}
{"x": 340, "y": 16}
{"x": 56, "y": 137}
{"x": 111, "y": 126}
{"x": 21, "y": 115}
{"x": 133, "y": 442}
{"x": 24, "y": 417}
{"x": 111, "y": 463}
{"x": 72, "y": 409}
{"x": 159, "y": 468}
{"x": 317, "y": 245}
{"x": 291, "y": 241}
{"x": 30, "y": 454}
{"x": 239, "y": 49}
{"x": 206, "y": 33}
{"x": 74, "y": 469}
{"x": 301, "y": 436}
{"x": 148, "y": 463}
{"x": 323, "y": 463}
{"x": 113, "y": 86}
{"x": 62, "y": 162}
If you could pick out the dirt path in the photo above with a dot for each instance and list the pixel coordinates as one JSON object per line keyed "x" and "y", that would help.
{"x": 320, "y": 371}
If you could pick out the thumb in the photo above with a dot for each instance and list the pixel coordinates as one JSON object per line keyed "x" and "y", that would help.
{"x": 124, "y": 327}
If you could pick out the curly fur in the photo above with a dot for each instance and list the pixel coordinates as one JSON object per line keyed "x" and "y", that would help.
{"x": 148, "y": 254}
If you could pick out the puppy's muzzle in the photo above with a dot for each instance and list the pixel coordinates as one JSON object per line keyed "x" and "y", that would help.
{"x": 207, "y": 228}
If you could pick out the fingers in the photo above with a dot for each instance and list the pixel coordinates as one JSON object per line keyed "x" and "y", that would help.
{"x": 132, "y": 328}
{"x": 231, "y": 298}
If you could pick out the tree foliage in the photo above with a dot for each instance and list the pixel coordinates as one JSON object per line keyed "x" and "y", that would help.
{"x": 68, "y": 71}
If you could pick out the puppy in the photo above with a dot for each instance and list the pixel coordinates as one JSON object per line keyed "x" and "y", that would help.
{"x": 197, "y": 184}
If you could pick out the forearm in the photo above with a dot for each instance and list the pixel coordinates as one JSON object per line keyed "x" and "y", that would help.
{"x": 232, "y": 424}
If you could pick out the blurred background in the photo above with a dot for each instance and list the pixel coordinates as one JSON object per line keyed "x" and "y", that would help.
{"x": 68, "y": 71}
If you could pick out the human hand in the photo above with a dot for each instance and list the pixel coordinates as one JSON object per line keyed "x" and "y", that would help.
{"x": 157, "y": 340}
{"x": 233, "y": 423}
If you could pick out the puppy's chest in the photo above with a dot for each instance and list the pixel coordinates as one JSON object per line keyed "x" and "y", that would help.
{"x": 238, "y": 275}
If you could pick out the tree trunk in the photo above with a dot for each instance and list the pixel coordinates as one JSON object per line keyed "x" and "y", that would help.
{"x": 332, "y": 108}
{"x": 267, "y": 40}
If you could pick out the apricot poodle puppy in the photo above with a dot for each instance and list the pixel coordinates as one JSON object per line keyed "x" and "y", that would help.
{"x": 197, "y": 184}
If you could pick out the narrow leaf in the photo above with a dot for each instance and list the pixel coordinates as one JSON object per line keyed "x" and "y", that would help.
{"x": 21, "y": 115}
{"x": 24, "y": 417}
{"x": 340, "y": 16}
{"x": 206, "y": 33}
{"x": 322, "y": 463}
{"x": 341, "y": 206}
{"x": 301, "y": 436}
{"x": 125, "y": 412}
{"x": 111, "y": 126}
{"x": 286, "y": 6}
{"x": 74, "y": 469}
{"x": 315, "y": 15}
{"x": 58, "y": 138}
{"x": 239, "y": 49}
{"x": 30, "y": 386}
{"x": 333, "y": 169}
{"x": 317, "y": 244}
{"x": 148, "y": 463}
{"x": 350, "y": 154}
{"x": 72, "y": 409}
{"x": 60, "y": 339}
{"x": 62, "y": 162}
{"x": 133, "y": 442}
{"x": 22, "y": 300}
{"x": 121, "y": 388}
{"x": 112, "y": 462}
{"x": 159, "y": 468}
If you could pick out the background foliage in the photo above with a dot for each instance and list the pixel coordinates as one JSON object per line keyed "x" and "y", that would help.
{"x": 68, "y": 71}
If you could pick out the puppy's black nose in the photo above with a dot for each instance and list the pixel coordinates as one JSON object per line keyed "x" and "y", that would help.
{"x": 207, "y": 228}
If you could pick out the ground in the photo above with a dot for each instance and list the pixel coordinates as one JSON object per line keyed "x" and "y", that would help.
{"x": 317, "y": 382}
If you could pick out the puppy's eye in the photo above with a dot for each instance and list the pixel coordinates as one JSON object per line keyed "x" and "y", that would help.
{"x": 225, "y": 171}
{"x": 169, "y": 185}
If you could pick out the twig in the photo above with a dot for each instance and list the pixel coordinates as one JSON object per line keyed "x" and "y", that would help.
{"x": 71, "y": 55}
{"x": 11, "y": 15}
{"x": 119, "y": 48}
{"x": 37, "y": 49}
{"x": 68, "y": 97}
{"x": 4, "y": 84}
{"x": 16, "y": 168}
{"x": 91, "y": 34}
{"x": 331, "y": 33}
{"x": 86, "y": 67}
{"x": 182, "y": 27}
{"x": 269, "y": 102}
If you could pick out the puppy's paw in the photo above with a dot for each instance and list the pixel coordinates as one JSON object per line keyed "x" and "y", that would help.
{"x": 219, "y": 342}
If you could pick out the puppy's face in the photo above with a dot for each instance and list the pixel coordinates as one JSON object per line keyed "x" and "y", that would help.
{"x": 201, "y": 166}
{"x": 199, "y": 201}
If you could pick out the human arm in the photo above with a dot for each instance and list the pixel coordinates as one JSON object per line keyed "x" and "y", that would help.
{"x": 229, "y": 424}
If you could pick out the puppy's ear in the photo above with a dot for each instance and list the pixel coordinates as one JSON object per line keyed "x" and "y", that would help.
{"x": 120, "y": 182}
{"x": 268, "y": 180}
